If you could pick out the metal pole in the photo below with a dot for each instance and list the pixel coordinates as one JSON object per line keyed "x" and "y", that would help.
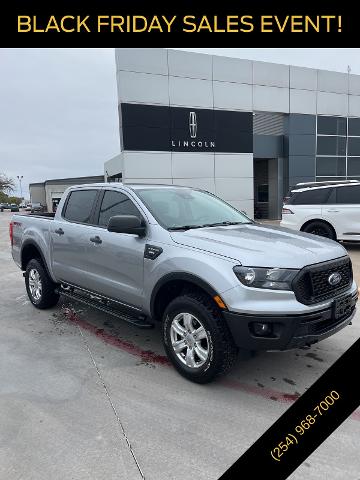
{"x": 20, "y": 177}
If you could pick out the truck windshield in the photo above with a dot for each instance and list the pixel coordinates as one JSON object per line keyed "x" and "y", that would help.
{"x": 185, "y": 208}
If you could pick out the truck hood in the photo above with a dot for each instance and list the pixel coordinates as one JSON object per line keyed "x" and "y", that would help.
{"x": 261, "y": 245}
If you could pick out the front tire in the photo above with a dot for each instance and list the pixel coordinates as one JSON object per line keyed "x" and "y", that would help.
{"x": 197, "y": 339}
{"x": 40, "y": 288}
{"x": 321, "y": 229}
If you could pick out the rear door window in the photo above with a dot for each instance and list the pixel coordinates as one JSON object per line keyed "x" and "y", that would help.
{"x": 80, "y": 205}
{"x": 349, "y": 195}
{"x": 318, "y": 196}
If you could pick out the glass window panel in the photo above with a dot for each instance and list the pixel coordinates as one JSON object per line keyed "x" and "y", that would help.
{"x": 354, "y": 166}
{"x": 354, "y": 127}
{"x": 331, "y": 145}
{"x": 79, "y": 206}
{"x": 329, "y": 179}
{"x": 331, "y": 125}
{"x": 317, "y": 196}
{"x": 116, "y": 203}
{"x": 349, "y": 194}
{"x": 330, "y": 166}
{"x": 353, "y": 146}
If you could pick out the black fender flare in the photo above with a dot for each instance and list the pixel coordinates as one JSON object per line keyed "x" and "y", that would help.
{"x": 30, "y": 242}
{"x": 189, "y": 277}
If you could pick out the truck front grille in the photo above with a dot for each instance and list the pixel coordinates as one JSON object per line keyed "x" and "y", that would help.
{"x": 311, "y": 285}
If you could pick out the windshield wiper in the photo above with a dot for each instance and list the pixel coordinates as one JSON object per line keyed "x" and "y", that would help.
{"x": 183, "y": 227}
{"x": 219, "y": 224}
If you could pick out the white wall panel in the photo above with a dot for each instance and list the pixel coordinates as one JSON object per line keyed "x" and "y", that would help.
{"x": 234, "y": 165}
{"x": 332, "y": 103}
{"x": 303, "y": 78}
{"x": 234, "y": 188}
{"x": 302, "y": 101}
{"x": 145, "y": 164}
{"x": 246, "y": 206}
{"x": 232, "y": 69}
{"x": 189, "y": 64}
{"x": 149, "y": 60}
{"x": 354, "y": 105}
{"x": 271, "y": 99}
{"x": 354, "y": 84}
{"x": 335, "y": 82}
{"x": 190, "y": 92}
{"x": 232, "y": 96}
{"x": 270, "y": 74}
{"x": 203, "y": 183}
{"x": 155, "y": 181}
{"x": 142, "y": 88}
{"x": 192, "y": 165}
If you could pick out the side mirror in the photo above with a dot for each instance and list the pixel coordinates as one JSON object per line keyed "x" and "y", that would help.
{"x": 126, "y": 224}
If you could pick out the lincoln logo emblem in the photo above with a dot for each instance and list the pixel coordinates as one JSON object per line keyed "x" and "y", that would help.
{"x": 334, "y": 279}
{"x": 192, "y": 124}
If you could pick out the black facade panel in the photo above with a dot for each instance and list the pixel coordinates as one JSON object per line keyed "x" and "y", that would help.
{"x": 294, "y": 180}
{"x": 334, "y": 166}
{"x": 302, "y": 144}
{"x": 233, "y": 141}
{"x": 354, "y": 146}
{"x": 146, "y": 138}
{"x": 354, "y": 127}
{"x": 144, "y": 115}
{"x": 331, "y": 125}
{"x": 231, "y": 121}
{"x": 268, "y": 146}
{"x": 163, "y": 128}
{"x": 331, "y": 145}
{"x": 302, "y": 166}
{"x": 354, "y": 166}
{"x": 180, "y": 119}
{"x": 301, "y": 124}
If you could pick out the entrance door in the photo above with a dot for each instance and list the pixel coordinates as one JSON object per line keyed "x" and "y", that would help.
{"x": 267, "y": 201}
{"x": 261, "y": 188}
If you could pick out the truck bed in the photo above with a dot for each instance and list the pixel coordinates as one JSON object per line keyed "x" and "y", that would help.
{"x": 47, "y": 215}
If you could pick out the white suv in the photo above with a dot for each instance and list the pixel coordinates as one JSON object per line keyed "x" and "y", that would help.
{"x": 331, "y": 211}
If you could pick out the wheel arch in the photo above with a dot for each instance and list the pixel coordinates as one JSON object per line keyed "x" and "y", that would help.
{"x": 171, "y": 285}
{"x": 30, "y": 249}
{"x": 322, "y": 220}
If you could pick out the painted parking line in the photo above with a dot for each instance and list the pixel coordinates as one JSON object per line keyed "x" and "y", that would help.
{"x": 152, "y": 357}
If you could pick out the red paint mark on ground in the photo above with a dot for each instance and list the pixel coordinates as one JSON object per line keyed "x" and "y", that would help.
{"x": 152, "y": 357}
{"x": 126, "y": 346}
{"x": 267, "y": 393}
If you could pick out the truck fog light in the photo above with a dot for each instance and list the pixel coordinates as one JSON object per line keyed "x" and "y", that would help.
{"x": 261, "y": 329}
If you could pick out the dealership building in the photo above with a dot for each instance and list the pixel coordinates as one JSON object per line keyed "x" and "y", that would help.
{"x": 244, "y": 130}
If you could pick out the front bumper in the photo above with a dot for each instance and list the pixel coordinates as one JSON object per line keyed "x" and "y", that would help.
{"x": 288, "y": 331}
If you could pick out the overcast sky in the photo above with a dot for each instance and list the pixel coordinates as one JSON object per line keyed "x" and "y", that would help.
{"x": 58, "y": 107}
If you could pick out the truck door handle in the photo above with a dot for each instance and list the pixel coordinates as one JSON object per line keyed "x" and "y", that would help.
{"x": 96, "y": 239}
{"x": 333, "y": 211}
{"x": 59, "y": 231}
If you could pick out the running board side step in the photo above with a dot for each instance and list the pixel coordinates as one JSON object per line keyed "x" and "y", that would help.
{"x": 106, "y": 306}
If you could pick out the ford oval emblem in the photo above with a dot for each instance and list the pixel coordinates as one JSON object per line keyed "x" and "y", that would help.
{"x": 334, "y": 279}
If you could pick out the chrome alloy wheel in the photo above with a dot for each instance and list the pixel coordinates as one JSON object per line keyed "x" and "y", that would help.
{"x": 189, "y": 340}
{"x": 35, "y": 284}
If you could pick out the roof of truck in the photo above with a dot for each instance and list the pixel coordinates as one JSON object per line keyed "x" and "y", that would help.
{"x": 134, "y": 186}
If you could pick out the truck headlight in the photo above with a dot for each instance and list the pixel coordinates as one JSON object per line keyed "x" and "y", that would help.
{"x": 271, "y": 278}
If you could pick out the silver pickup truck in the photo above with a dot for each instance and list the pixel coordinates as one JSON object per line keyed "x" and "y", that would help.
{"x": 217, "y": 281}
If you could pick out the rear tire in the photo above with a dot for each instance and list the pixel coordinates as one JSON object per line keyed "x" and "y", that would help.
{"x": 321, "y": 229}
{"x": 40, "y": 288}
{"x": 197, "y": 339}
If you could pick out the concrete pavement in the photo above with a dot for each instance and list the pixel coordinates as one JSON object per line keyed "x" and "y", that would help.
{"x": 85, "y": 396}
